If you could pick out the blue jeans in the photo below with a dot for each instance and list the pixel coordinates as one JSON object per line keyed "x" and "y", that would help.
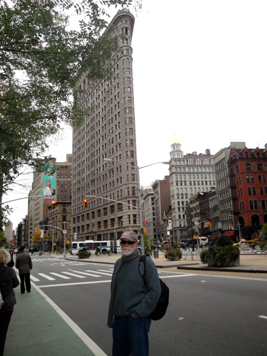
{"x": 130, "y": 336}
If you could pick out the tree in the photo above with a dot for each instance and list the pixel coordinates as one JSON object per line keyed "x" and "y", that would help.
{"x": 264, "y": 231}
{"x": 223, "y": 240}
{"x": 147, "y": 245}
{"x": 40, "y": 60}
{"x": 2, "y": 239}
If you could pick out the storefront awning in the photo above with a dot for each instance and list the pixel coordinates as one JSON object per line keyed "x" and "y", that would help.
{"x": 229, "y": 233}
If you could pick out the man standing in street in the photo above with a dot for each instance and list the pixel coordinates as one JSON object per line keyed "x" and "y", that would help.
{"x": 130, "y": 304}
{"x": 24, "y": 265}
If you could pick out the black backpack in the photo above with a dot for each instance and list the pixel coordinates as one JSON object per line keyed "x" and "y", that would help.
{"x": 163, "y": 301}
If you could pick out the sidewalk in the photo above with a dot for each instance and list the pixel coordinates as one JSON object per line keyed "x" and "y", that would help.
{"x": 39, "y": 328}
{"x": 249, "y": 263}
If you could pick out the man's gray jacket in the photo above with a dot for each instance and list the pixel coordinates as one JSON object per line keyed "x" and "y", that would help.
{"x": 23, "y": 263}
{"x": 130, "y": 291}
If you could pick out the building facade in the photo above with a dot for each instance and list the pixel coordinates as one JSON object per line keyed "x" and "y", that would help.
{"x": 148, "y": 212}
{"x": 104, "y": 147}
{"x": 224, "y": 195}
{"x": 39, "y": 202}
{"x": 189, "y": 174}
{"x": 9, "y": 234}
{"x": 162, "y": 201}
{"x": 248, "y": 180}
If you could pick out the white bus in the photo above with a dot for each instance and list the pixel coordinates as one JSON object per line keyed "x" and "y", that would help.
{"x": 92, "y": 245}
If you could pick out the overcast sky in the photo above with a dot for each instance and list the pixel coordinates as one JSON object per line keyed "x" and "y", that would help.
{"x": 200, "y": 76}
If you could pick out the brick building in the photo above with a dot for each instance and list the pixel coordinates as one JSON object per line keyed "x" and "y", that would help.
{"x": 248, "y": 181}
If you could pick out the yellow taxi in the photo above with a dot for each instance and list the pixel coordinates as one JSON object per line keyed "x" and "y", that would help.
{"x": 241, "y": 242}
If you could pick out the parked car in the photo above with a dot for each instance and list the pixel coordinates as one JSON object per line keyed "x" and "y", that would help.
{"x": 33, "y": 249}
{"x": 154, "y": 246}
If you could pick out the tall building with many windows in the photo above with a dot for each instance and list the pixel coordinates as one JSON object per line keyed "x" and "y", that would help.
{"x": 189, "y": 174}
{"x": 104, "y": 147}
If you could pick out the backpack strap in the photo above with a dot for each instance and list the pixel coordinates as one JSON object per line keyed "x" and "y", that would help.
{"x": 142, "y": 269}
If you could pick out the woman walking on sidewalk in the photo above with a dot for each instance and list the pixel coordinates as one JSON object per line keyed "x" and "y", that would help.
{"x": 8, "y": 281}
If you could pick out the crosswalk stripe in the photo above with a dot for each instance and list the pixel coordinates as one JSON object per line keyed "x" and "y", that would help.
{"x": 46, "y": 276}
{"x": 87, "y": 274}
{"x": 106, "y": 274}
{"x": 34, "y": 279}
{"x": 75, "y": 275}
{"x": 60, "y": 275}
{"x": 105, "y": 270}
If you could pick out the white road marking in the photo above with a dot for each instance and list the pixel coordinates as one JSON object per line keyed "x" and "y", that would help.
{"x": 34, "y": 279}
{"x": 47, "y": 277}
{"x": 60, "y": 275}
{"x": 103, "y": 270}
{"x": 95, "y": 349}
{"x": 74, "y": 275}
{"x": 178, "y": 276}
{"x": 263, "y": 316}
{"x": 87, "y": 274}
{"x": 73, "y": 284}
{"x": 106, "y": 274}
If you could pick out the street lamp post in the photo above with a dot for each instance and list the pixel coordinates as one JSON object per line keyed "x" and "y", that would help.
{"x": 197, "y": 224}
{"x": 238, "y": 224}
{"x": 139, "y": 191}
{"x": 64, "y": 234}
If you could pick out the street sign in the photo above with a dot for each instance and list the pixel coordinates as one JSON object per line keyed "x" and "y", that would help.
{"x": 145, "y": 222}
{"x": 64, "y": 231}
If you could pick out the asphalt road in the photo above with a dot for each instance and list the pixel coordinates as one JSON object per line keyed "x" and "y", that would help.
{"x": 207, "y": 315}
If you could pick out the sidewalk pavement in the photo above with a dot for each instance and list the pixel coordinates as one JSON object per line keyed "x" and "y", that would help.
{"x": 249, "y": 263}
{"x": 39, "y": 327}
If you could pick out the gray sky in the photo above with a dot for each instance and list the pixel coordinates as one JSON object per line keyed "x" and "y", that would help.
{"x": 200, "y": 75}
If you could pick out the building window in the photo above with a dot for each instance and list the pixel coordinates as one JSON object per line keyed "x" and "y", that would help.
{"x": 260, "y": 166}
{"x": 248, "y": 167}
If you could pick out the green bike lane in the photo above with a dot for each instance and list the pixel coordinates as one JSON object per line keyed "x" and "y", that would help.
{"x": 38, "y": 327}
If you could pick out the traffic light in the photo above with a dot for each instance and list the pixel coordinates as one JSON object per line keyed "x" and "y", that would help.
{"x": 53, "y": 204}
{"x": 85, "y": 203}
{"x": 143, "y": 230}
{"x": 209, "y": 224}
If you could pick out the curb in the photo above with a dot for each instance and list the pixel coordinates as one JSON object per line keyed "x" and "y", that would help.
{"x": 222, "y": 269}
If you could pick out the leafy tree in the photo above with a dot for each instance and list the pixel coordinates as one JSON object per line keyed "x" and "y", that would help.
{"x": 2, "y": 239}
{"x": 264, "y": 231}
{"x": 223, "y": 240}
{"x": 147, "y": 244}
{"x": 40, "y": 60}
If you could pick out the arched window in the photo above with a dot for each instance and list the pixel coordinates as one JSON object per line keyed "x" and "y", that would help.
{"x": 260, "y": 166}
{"x": 255, "y": 220}
{"x": 248, "y": 166}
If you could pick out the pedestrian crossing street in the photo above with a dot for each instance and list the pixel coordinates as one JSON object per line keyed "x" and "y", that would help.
{"x": 70, "y": 274}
